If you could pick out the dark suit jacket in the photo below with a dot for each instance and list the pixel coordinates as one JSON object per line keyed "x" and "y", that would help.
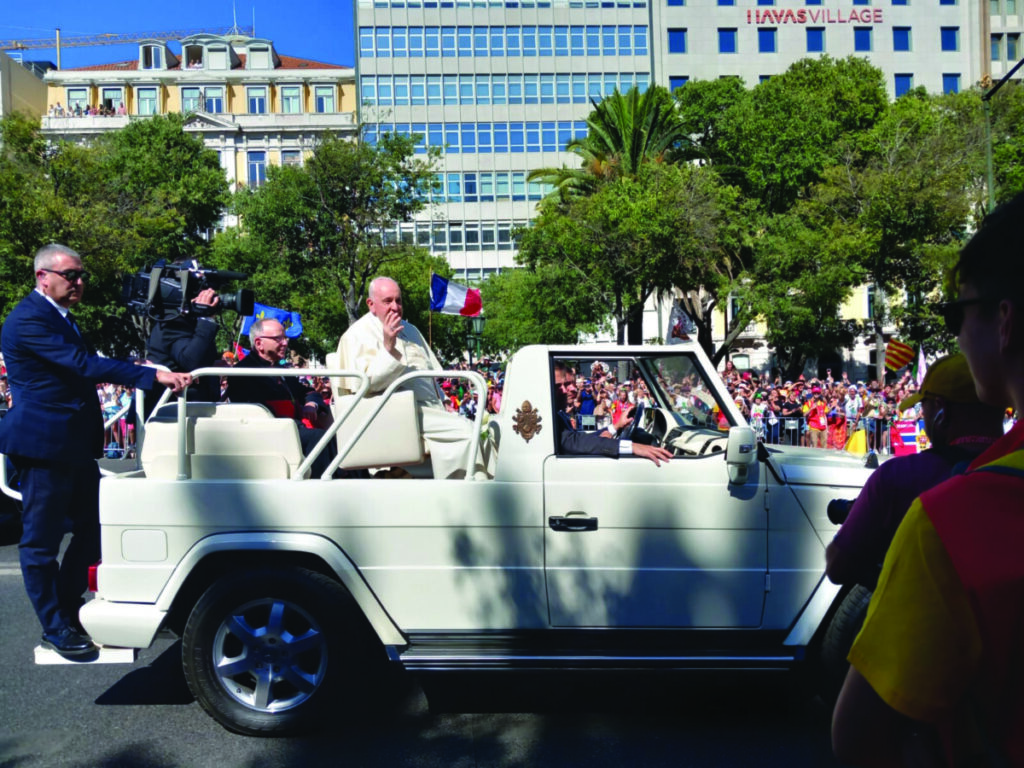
{"x": 279, "y": 393}
{"x": 184, "y": 344}
{"x": 573, "y": 441}
{"x": 52, "y": 375}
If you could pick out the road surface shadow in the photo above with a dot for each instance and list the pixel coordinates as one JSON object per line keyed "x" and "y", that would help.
{"x": 160, "y": 682}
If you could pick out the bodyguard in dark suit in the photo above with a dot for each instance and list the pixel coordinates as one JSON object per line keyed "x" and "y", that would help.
{"x": 53, "y": 435}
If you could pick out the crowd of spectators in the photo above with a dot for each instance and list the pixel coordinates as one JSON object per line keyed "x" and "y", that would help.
{"x": 820, "y": 412}
{"x": 814, "y": 412}
{"x": 102, "y": 110}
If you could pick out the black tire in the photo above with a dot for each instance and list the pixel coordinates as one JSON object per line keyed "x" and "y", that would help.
{"x": 263, "y": 651}
{"x": 838, "y": 640}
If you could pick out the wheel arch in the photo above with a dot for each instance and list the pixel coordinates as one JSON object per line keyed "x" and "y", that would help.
{"x": 814, "y": 618}
{"x": 228, "y": 553}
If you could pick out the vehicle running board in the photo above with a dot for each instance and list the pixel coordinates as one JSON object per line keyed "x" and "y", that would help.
{"x": 104, "y": 655}
{"x": 439, "y": 659}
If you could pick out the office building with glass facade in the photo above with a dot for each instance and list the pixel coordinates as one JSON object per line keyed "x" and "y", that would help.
{"x": 502, "y": 85}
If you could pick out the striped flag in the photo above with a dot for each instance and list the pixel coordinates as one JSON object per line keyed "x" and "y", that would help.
{"x": 897, "y": 354}
{"x": 921, "y": 367}
{"x": 450, "y": 298}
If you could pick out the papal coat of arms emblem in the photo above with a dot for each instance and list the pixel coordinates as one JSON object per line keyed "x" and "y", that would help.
{"x": 526, "y": 422}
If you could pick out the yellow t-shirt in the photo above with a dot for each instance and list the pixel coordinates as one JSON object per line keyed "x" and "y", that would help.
{"x": 920, "y": 647}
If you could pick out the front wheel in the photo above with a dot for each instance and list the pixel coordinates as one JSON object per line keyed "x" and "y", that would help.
{"x": 263, "y": 650}
{"x": 838, "y": 640}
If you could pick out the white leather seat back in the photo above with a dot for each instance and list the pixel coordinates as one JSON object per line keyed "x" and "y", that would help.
{"x": 223, "y": 441}
{"x": 394, "y": 437}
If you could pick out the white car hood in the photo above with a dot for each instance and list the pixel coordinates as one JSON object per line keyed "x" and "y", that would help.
{"x": 814, "y": 466}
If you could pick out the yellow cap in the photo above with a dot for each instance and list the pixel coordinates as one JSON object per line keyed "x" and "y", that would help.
{"x": 948, "y": 378}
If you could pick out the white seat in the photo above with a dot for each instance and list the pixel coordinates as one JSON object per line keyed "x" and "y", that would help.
{"x": 393, "y": 439}
{"x": 223, "y": 441}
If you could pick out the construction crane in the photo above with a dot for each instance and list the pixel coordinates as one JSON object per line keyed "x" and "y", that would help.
{"x": 111, "y": 38}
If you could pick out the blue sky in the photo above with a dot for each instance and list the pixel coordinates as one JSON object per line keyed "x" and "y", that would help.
{"x": 312, "y": 29}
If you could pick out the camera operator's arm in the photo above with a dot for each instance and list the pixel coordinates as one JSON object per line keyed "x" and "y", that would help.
{"x": 855, "y": 554}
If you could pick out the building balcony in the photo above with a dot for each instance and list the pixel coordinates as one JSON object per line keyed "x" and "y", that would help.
{"x": 93, "y": 125}
{"x": 87, "y": 125}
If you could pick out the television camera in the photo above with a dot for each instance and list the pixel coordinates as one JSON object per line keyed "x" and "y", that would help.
{"x": 166, "y": 291}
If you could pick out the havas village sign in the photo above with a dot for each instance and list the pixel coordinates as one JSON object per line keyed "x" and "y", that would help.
{"x": 814, "y": 16}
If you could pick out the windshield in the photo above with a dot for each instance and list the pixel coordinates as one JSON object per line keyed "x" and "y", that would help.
{"x": 681, "y": 386}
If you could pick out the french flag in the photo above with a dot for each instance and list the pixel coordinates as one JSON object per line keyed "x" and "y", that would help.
{"x": 453, "y": 299}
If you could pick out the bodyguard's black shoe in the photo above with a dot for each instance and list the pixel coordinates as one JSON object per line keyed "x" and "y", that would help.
{"x": 68, "y": 643}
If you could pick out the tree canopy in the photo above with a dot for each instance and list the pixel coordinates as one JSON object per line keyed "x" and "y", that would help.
{"x": 132, "y": 196}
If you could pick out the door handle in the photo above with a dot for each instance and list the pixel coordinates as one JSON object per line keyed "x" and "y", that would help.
{"x": 572, "y": 523}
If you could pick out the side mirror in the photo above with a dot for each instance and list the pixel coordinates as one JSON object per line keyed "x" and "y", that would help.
{"x": 740, "y": 453}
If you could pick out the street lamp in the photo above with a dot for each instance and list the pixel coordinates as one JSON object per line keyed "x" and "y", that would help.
{"x": 474, "y": 332}
{"x": 986, "y": 106}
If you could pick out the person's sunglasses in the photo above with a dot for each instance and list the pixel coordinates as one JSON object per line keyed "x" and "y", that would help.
{"x": 953, "y": 312}
{"x": 71, "y": 275}
{"x": 279, "y": 339}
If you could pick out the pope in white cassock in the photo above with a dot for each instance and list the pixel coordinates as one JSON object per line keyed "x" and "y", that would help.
{"x": 383, "y": 347}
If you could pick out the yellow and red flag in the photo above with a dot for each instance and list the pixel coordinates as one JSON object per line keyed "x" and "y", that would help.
{"x": 897, "y": 354}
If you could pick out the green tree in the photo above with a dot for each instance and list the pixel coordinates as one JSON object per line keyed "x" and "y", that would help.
{"x": 803, "y": 272}
{"x": 624, "y": 132}
{"x": 790, "y": 127}
{"x": 132, "y": 196}
{"x": 904, "y": 186}
{"x": 636, "y": 234}
{"x": 543, "y": 304}
{"x": 331, "y": 222}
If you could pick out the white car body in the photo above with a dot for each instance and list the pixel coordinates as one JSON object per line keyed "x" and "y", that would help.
{"x": 702, "y": 561}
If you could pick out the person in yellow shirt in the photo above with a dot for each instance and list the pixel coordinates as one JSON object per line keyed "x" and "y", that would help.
{"x": 937, "y": 672}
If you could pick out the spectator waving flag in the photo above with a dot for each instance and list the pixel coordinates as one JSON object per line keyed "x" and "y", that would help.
{"x": 291, "y": 321}
{"x": 897, "y": 354}
{"x": 453, "y": 299}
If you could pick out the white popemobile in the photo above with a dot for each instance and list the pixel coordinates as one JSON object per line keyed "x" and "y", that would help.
{"x": 286, "y": 589}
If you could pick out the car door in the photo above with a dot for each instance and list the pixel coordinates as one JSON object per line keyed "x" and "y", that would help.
{"x": 631, "y": 544}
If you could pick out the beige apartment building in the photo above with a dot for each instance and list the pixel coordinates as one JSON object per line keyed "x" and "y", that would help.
{"x": 252, "y": 105}
{"x": 21, "y": 89}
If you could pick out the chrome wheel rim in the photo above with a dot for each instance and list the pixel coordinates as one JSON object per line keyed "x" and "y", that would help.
{"x": 270, "y": 655}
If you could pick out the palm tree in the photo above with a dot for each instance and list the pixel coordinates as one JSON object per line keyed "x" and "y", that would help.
{"x": 624, "y": 131}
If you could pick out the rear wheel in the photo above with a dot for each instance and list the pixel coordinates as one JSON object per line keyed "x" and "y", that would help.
{"x": 264, "y": 651}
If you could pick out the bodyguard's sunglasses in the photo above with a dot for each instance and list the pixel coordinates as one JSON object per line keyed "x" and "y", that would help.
{"x": 71, "y": 275}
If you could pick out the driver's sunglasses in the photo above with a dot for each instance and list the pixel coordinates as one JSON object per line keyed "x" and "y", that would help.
{"x": 953, "y": 311}
{"x": 71, "y": 275}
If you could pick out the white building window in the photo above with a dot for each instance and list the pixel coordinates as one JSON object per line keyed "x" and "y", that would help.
{"x": 152, "y": 57}
{"x": 77, "y": 97}
{"x": 324, "y": 98}
{"x": 259, "y": 58}
{"x": 257, "y": 162}
{"x": 146, "y": 101}
{"x": 191, "y": 99}
{"x": 218, "y": 58}
{"x": 111, "y": 97}
{"x": 257, "y": 97}
{"x": 291, "y": 99}
{"x": 213, "y": 99}
{"x": 193, "y": 57}
{"x": 291, "y": 157}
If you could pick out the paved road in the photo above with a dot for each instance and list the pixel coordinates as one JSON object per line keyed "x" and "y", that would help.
{"x": 142, "y": 716}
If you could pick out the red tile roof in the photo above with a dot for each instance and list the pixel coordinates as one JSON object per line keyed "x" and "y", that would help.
{"x": 287, "y": 62}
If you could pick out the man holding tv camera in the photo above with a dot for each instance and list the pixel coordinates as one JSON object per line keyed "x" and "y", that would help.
{"x": 183, "y": 302}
